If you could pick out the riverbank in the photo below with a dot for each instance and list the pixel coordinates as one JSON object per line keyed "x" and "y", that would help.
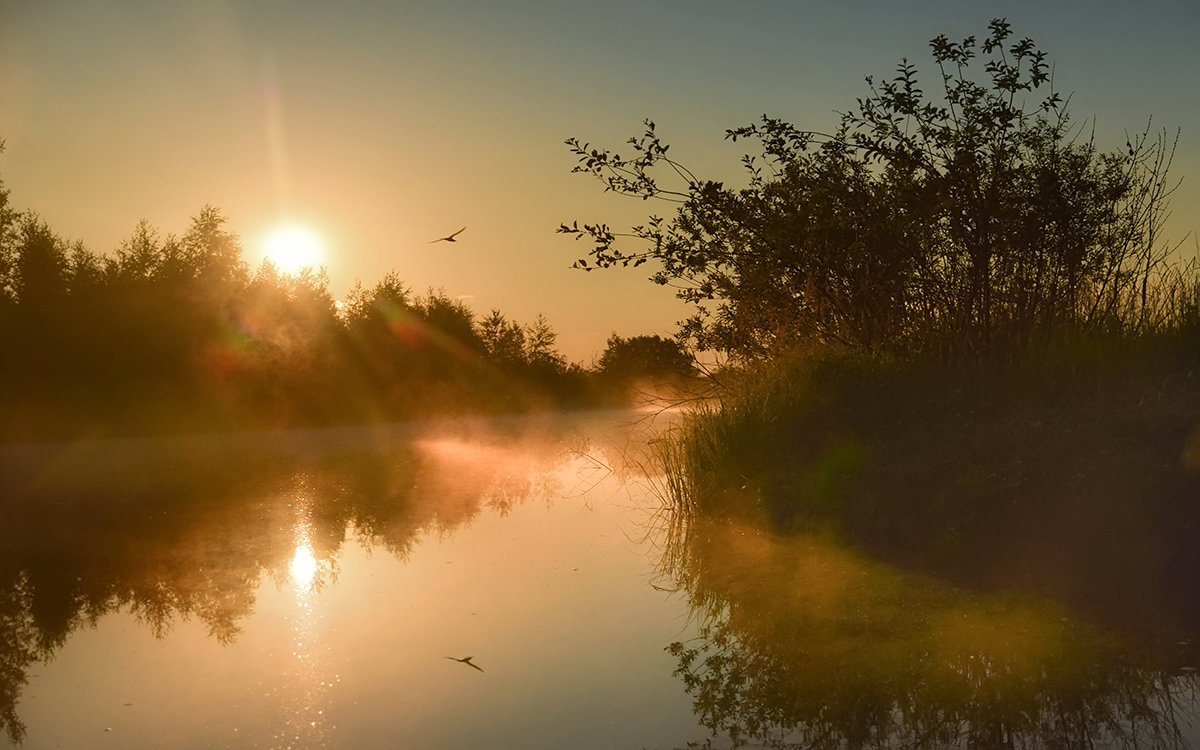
{"x": 1075, "y": 473}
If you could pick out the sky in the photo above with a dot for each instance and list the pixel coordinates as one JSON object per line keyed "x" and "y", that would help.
{"x": 385, "y": 125}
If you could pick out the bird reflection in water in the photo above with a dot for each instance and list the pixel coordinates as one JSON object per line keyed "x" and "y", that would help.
{"x": 466, "y": 660}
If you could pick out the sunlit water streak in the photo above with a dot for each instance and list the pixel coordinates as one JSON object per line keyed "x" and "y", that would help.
{"x": 308, "y": 680}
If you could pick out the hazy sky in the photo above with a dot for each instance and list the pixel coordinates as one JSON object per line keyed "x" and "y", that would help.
{"x": 383, "y": 125}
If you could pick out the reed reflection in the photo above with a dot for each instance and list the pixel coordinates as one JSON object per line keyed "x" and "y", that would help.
{"x": 191, "y": 528}
{"x": 805, "y": 643}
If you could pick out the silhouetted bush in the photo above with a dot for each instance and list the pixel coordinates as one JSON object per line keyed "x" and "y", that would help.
{"x": 966, "y": 223}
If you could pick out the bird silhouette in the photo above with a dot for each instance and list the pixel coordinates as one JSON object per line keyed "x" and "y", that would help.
{"x": 466, "y": 661}
{"x": 448, "y": 238}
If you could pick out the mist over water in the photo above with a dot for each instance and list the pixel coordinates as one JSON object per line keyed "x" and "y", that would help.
{"x": 304, "y": 588}
{"x": 511, "y": 582}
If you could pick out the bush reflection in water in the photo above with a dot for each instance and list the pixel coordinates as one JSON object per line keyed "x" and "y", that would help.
{"x": 803, "y": 642}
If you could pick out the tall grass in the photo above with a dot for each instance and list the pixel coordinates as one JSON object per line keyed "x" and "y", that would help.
{"x": 1078, "y": 454}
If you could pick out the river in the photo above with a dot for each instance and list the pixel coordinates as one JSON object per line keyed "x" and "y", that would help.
{"x": 504, "y": 583}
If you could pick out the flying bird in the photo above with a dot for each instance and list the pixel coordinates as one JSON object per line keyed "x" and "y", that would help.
{"x": 467, "y": 660}
{"x": 448, "y": 238}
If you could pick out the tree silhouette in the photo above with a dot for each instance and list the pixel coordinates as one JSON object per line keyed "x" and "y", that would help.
{"x": 41, "y": 266}
{"x": 8, "y": 241}
{"x": 650, "y": 356}
{"x": 504, "y": 339}
{"x": 540, "y": 338}
{"x": 962, "y": 225}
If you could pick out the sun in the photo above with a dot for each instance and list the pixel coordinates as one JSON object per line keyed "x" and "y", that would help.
{"x": 292, "y": 248}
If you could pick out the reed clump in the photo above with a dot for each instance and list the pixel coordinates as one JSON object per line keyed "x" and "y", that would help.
{"x": 1074, "y": 468}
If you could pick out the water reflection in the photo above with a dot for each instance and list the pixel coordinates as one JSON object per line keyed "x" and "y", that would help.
{"x": 804, "y": 642}
{"x": 306, "y": 680}
{"x": 189, "y": 528}
{"x": 303, "y": 568}
{"x": 798, "y": 640}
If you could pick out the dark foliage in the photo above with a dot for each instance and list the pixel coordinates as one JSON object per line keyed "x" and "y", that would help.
{"x": 962, "y": 225}
{"x": 649, "y": 357}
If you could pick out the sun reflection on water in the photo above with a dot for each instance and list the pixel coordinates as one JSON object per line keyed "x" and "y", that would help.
{"x": 308, "y": 680}
{"x": 303, "y": 567}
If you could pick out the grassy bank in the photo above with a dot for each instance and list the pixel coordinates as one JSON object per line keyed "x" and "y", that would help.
{"x": 1075, "y": 472}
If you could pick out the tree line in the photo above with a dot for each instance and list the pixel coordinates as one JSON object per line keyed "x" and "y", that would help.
{"x": 177, "y": 332}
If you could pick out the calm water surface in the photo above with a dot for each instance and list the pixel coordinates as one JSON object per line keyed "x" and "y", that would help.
{"x": 305, "y": 589}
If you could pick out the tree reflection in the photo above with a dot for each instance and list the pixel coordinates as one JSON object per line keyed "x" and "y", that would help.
{"x": 189, "y": 528}
{"x": 805, "y": 643}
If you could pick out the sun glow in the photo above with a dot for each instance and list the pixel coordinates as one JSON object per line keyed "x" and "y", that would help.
{"x": 303, "y": 567}
{"x": 292, "y": 248}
